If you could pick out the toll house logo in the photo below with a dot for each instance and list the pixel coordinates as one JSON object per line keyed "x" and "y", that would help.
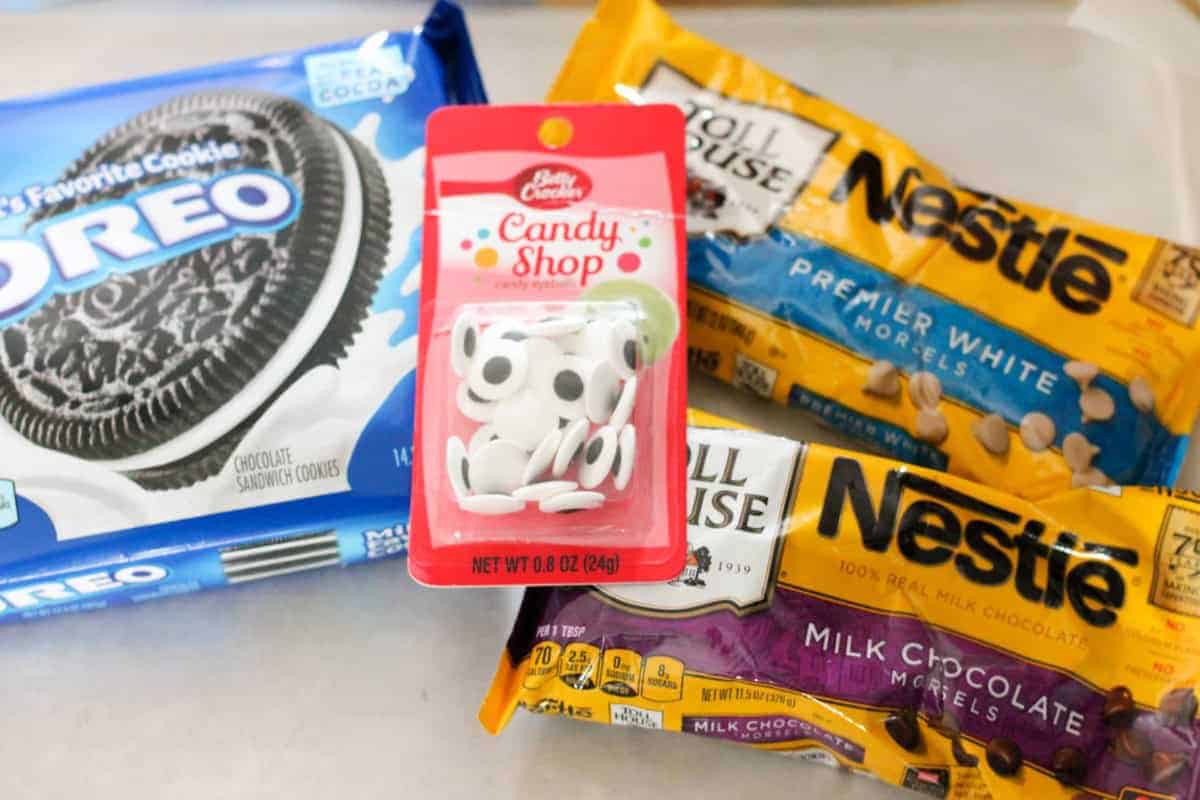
{"x": 699, "y": 562}
{"x": 746, "y": 162}
{"x": 739, "y": 492}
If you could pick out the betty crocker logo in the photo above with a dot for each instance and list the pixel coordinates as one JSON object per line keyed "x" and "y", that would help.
{"x": 550, "y": 186}
{"x": 545, "y": 187}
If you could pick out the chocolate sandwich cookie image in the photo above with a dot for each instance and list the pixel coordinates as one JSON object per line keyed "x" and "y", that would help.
{"x": 157, "y": 371}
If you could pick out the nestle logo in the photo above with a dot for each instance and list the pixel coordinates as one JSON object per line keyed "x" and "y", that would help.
{"x": 550, "y": 186}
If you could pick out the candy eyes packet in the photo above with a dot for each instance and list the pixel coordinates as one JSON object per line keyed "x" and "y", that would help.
{"x": 895, "y": 621}
{"x": 208, "y": 302}
{"x": 551, "y": 369}
{"x": 834, "y": 270}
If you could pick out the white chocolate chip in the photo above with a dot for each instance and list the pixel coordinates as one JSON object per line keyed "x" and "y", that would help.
{"x": 992, "y": 433}
{"x": 931, "y": 426}
{"x": 1096, "y": 404}
{"x": 1089, "y": 477}
{"x": 883, "y": 379}
{"x": 1141, "y": 394}
{"x": 1082, "y": 372}
{"x": 1078, "y": 452}
{"x": 925, "y": 390}
{"x": 1037, "y": 431}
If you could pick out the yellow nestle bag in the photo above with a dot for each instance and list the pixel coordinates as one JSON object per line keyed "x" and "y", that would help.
{"x": 836, "y": 271}
{"x": 895, "y": 621}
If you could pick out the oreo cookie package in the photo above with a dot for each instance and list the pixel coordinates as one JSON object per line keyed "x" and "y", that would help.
{"x": 208, "y": 298}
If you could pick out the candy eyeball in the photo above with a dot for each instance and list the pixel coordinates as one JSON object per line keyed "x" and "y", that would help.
{"x": 602, "y": 391}
{"x": 568, "y": 502}
{"x": 483, "y": 434}
{"x": 526, "y": 418}
{"x": 542, "y": 457}
{"x": 464, "y": 339}
{"x": 458, "y": 467}
{"x": 536, "y": 492}
{"x": 569, "y": 449}
{"x": 624, "y": 408}
{"x": 497, "y": 467}
{"x": 625, "y": 348}
{"x": 491, "y": 504}
{"x": 472, "y": 406}
{"x": 555, "y": 326}
{"x": 597, "y": 459}
{"x": 498, "y": 369}
{"x": 622, "y": 468}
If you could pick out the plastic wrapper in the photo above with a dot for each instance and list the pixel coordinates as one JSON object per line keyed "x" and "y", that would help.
{"x": 208, "y": 301}
{"x": 894, "y": 621}
{"x": 834, "y": 270}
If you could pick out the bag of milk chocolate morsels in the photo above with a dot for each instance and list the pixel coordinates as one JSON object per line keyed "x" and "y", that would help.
{"x": 897, "y": 622}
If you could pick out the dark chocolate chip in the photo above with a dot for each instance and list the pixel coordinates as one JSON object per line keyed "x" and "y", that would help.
{"x": 568, "y": 385}
{"x": 960, "y": 754}
{"x": 594, "y": 450}
{"x": 469, "y": 342}
{"x": 1132, "y": 747}
{"x": 630, "y": 351}
{"x": 497, "y": 369}
{"x": 1178, "y": 707}
{"x": 903, "y": 729}
{"x": 1165, "y": 768}
{"x": 1004, "y": 756}
{"x": 1069, "y": 765}
{"x": 1119, "y": 708}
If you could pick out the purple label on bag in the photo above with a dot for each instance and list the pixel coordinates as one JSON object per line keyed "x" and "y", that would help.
{"x": 805, "y": 643}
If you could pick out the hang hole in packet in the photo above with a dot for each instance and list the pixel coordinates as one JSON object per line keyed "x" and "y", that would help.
{"x": 550, "y": 422}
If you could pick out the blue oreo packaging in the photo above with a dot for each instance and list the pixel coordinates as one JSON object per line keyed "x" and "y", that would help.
{"x": 208, "y": 299}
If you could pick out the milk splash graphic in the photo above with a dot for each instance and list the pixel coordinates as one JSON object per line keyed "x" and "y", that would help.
{"x": 87, "y": 499}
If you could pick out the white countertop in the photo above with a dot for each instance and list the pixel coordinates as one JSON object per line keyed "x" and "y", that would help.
{"x": 359, "y": 684}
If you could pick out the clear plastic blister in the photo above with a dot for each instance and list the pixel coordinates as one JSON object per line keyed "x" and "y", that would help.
{"x": 545, "y": 411}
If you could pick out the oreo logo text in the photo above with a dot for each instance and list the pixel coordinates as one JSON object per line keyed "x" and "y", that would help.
{"x": 78, "y": 249}
{"x": 988, "y": 545}
{"x": 80, "y": 587}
